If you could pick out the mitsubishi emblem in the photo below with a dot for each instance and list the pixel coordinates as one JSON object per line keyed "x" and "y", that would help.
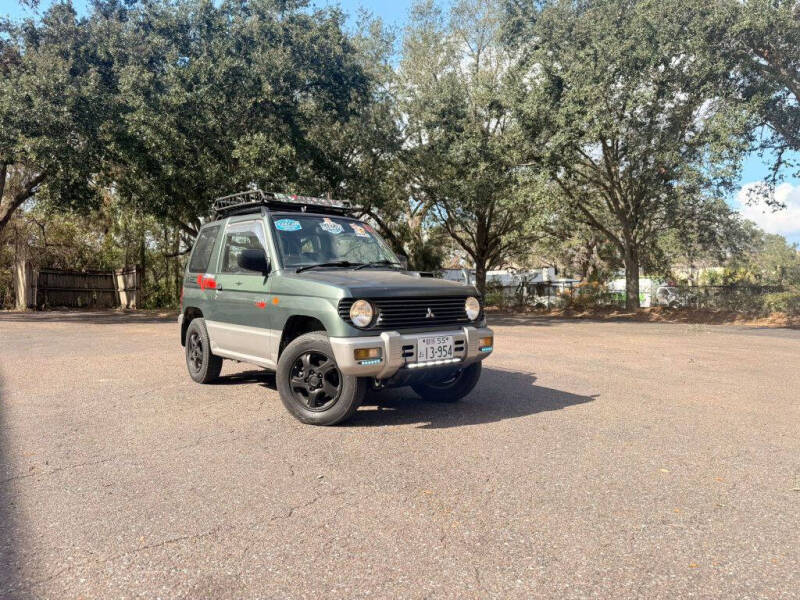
{"x": 429, "y": 314}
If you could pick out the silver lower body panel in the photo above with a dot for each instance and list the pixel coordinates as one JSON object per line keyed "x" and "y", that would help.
{"x": 399, "y": 351}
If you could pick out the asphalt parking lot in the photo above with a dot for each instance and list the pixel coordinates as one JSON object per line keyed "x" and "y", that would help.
{"x": 594, "y": 460}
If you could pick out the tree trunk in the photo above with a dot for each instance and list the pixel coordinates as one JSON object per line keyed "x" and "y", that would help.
{"x": 3, "y": 172}
{"x": 143, "y": 265}
{"x": 8, "y": 207}
{"x": 480, "y": 276}
{"x": 178, "y": 280}
{"x": 631, "y": 278}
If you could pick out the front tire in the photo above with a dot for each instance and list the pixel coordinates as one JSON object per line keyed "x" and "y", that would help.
{"x": 311, "y": 386}
{"x": 453, "y": 389}
{"x": 203, "y": 366}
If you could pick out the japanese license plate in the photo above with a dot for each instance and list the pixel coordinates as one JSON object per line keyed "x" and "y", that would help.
{"x": 435, "y": 347}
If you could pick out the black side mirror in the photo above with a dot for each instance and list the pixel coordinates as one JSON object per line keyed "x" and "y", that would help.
{"x": 254, "y": 259}
{"x": 403, "y": 261}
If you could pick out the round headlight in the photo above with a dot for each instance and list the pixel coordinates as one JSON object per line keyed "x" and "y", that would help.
{"x": 473, "y": 308}
{"x": 361, "y": 313}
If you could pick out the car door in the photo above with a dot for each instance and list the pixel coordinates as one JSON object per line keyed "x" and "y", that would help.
{"x": 199, "y": 279}
{"x": 242, "y": 328}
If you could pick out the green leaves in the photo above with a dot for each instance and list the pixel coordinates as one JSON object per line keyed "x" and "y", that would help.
{"x": 462, "y": 145}
{"x": 52, "y": 86}
{"x": 759, "y": 42}
{"x": 625, "y": 107}
{"x": 214, "y": 98}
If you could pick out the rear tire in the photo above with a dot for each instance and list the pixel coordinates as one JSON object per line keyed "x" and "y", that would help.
{"x": 311, "y": 386}
{"x": 454, "y": 389}
{"x": 203, "y": 366}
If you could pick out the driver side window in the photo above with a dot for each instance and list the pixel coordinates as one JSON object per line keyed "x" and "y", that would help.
{"x": 240, "y": 237}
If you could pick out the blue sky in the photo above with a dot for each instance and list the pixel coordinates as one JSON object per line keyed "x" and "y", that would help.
{"x": 394, "y": 13}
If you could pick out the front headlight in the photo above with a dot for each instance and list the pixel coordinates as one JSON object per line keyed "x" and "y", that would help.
{"x": 361, "y": 313}
{"x": 472, "y": 307}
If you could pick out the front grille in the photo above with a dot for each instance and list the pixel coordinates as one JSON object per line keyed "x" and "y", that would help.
{"x": 399, "y": 313}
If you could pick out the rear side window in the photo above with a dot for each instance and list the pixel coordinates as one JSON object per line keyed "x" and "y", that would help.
{"x": 202, "y": 250}
{"x": 240, "y": 237}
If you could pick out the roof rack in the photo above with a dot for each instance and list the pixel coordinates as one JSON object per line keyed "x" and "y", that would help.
{"x": 253, "y": 200}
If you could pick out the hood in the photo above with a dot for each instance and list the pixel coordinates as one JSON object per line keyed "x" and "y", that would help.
{"x": 372, "y": 283}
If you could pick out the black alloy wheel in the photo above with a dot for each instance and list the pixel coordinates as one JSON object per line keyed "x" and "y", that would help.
{"x": 202, "y": 364}
{"x": 195, "y": 352}
{"x": 315, "y": 381}
{"x": 312, "y": 387}
{"x": 447, "y": 383}
{"x": 453, "y": 387}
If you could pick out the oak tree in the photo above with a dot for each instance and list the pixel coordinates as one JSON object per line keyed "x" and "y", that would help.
{"x": 623, "y": 107}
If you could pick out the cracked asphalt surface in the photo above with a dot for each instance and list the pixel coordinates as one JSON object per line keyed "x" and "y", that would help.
{"x": 594, "y": 460}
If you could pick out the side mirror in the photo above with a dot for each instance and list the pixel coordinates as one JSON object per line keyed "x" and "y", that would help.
{"x": 404, "y": 261}
{"x": 254, "y": 259}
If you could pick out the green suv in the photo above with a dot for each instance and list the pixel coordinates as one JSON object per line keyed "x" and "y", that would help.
{"x": 295, "y": 285}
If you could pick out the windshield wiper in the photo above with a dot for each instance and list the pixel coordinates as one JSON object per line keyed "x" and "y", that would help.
{"x": 378, "y": 263}
{"x": 338, "y": 263}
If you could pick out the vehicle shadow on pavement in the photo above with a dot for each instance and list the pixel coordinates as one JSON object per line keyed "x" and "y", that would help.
{"x": 260, "y": 376}
{"x": 9, "y": 527}
{"x": 500, "y": 395}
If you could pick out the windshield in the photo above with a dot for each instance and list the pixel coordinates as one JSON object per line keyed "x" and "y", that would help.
{"x": 305, "y": 240}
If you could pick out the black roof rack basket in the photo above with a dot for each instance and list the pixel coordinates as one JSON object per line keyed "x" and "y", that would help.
{"x": 252, "y": 201}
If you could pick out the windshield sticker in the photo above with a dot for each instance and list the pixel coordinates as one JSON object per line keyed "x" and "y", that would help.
{"x": 367, "y": 227}
{"x": 331, "y": 227}
{"x": 359, "y": 230}
{"x": 288, "y": 225}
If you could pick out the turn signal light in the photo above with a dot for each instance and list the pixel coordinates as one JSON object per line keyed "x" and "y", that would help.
{"x": 486, "y": 343}
{"x": 366, "y": 353}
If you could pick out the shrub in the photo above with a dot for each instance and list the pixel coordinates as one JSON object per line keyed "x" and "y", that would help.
{"x": 591, "y": 294}
{"x": 786, "y": 302}
{"x": 495, "y": 298}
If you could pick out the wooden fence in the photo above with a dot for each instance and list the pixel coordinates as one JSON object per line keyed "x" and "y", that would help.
{"x": 89, "y": 289}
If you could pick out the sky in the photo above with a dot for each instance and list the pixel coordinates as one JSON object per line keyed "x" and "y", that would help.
{"x": 394, "y": 13}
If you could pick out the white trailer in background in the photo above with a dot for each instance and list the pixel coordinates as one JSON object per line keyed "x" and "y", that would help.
{"x": 537, "y": 286}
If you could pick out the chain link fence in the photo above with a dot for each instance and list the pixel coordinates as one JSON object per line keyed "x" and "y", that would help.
{"x": 750, "y": 299}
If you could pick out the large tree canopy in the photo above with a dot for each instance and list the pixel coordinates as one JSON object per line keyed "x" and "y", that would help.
{"x": 463, "y": 146}
{"x": 215, "y": 97}
{"x": 759, "y": 41}
{"x": 623, "y": 109}
{"x": 51, "y": 98}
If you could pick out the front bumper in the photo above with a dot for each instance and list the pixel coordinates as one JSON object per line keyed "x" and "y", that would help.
{"x": 399, "y": 351}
